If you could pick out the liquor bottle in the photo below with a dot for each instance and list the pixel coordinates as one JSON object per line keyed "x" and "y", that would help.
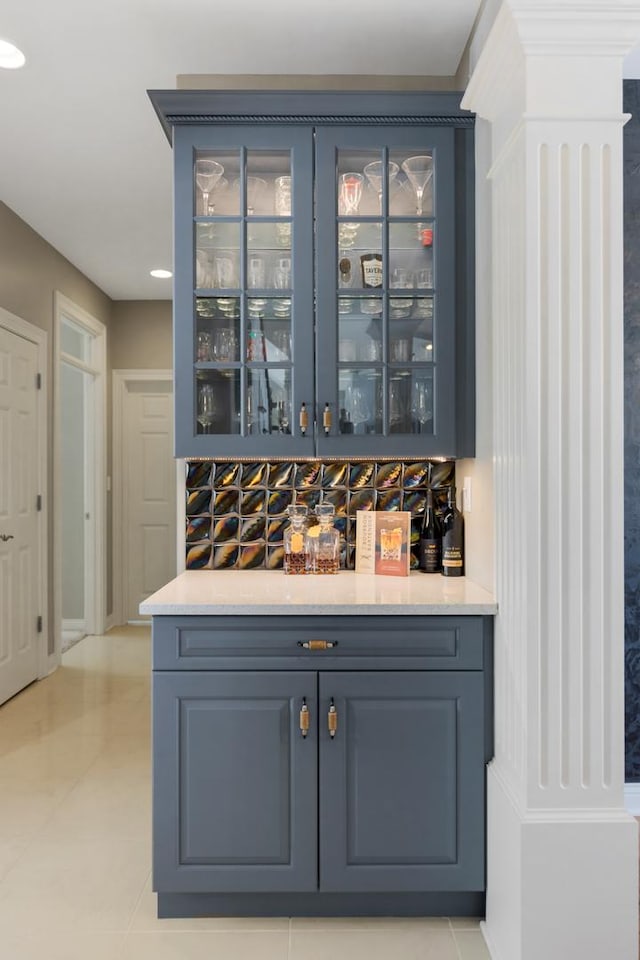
{"x": 452, "y": 538}
{"x": 324, "y": 541}
{"x": 430, "y": 539}
{"x": 295, "y": 542}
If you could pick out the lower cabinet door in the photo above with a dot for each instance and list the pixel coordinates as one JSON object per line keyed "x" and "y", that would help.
{"x": 235, "y": 782}
{"x": 402, "y": 781}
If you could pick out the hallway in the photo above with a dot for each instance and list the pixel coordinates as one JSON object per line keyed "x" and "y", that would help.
{"x": 75, "y": 825}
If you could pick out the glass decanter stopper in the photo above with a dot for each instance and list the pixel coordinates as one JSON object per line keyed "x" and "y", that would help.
{"x": 296, "y": 553}
{"x": 324, "y": 541}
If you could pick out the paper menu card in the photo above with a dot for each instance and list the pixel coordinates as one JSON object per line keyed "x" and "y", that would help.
{"x": 383, "y": 542}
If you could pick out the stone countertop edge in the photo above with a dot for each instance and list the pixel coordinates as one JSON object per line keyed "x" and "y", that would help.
{"x": 270, "y": 592}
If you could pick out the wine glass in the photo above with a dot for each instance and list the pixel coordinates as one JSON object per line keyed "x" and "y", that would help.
{"x": 349, "y": 197}
{"x": 206, "y": 406}
{"x": 374, "y": 174}
{"x": 419, "y": 171}
{"x": 255, "y": 186}
{"x": 208, "y": 172}
{"x": 421, "y": 408}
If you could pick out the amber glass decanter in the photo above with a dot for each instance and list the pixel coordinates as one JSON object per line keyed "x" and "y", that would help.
{"x": 296, "y": 552}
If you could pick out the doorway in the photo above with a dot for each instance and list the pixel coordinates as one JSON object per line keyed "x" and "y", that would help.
{"x": 144, "y": 488}
{"x": 80, "y": 471}
{"x": 24, "y": 649}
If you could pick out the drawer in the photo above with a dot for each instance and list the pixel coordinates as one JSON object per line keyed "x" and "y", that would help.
{"x": 382, "y": 642}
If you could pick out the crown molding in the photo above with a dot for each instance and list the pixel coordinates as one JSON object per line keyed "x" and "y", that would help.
{"x": 525, "y": 29}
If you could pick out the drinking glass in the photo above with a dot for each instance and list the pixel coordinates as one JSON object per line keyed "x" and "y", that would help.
{"x": 282, "y": 204}
{"x": 225, "y": 345}
{"x": 419, "y": 171}
{"x": 205, "y": 346}
{"x": 400, "y": 279}
{"x": 374, "y": 173}
{"x": 208, "y": 172}
{"x": 255, "y": 187}
{"x": 421, "y": 407}
{"x": 224, "y": 270}
{"x": 256, "y": 272}
{"x": 206, "y": 406}
{"x": 358, "y": 405}
{"x": 349, "y": 197}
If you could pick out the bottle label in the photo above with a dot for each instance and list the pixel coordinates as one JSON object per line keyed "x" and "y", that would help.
{"x": 452, "y": 557}
{"x": 430, "y": 556}
{"x": 371, "y": 270}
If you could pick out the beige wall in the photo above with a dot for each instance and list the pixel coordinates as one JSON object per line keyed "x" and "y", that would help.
{"x": 31, "y": 270}
{"x": 140, "y": 335}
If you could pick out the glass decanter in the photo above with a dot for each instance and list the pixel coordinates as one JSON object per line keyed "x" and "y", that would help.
{"x": 296, "y": 553}
{"x": 324, "y": 541}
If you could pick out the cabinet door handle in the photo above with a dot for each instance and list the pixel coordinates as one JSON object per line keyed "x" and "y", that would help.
{"x": 305, "y": 718}
{"x": 327, "y": 419}
{"x": 332, "y": 719}
{"x": 304, "y": 419}
{"x": 318, "y": 644}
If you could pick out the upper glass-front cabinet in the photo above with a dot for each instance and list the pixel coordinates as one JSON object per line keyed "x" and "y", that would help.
{"x": 244, "y": 292}
{"x": 323, "y": 275}
{"x": 386, "y": 246}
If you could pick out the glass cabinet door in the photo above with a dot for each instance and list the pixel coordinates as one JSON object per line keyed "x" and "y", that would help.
{"x": 244, "y": 291}
{"x": 385, "y": 290}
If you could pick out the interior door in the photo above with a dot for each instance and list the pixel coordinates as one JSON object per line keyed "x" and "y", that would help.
{"x": 149, "y": 520}
{"x": 18, "y": 521}
{"x": 402, "y": 781}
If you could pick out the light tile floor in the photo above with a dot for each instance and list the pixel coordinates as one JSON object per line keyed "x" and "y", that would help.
{"x": 75, "y": 828}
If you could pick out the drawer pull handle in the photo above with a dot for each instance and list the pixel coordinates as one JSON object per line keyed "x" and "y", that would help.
{"x": 317, "y": 644}
{"x": 332, "y": 719}
{"x": 305, "y": 718}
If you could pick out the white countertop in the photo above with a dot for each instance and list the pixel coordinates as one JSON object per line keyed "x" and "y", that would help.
{"x": 259, "y": 592}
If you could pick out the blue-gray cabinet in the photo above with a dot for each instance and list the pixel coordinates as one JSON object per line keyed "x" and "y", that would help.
{"x": 323, "y": 301}
{"x": 294, "y": 776}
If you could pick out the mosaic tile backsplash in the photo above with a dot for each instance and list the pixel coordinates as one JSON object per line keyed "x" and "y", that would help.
{"x": 236, "y": 512}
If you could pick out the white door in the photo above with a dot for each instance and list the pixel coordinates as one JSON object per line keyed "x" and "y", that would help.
{"x": 19, "y": 562}
{"x": 149, "y": 492}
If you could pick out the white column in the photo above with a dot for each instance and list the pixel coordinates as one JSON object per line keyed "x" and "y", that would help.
{"x": 563, "y": 854}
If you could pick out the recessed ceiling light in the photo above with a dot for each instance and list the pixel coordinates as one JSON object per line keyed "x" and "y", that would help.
{"x": 10, "y": 57}
{"x": 161, "y": 274}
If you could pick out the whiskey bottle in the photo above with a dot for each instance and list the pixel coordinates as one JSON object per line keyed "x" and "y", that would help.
{"x": 430, "y": 539}
{"x": 452, "y": 538}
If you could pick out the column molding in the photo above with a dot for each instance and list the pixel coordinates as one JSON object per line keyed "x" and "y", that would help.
{"x": 562, "y": 851}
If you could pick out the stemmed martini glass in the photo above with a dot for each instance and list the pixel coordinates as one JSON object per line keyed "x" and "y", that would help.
{"x": 419, "y": 171}
{"x": 208, "y": 172}
{"x": 374, "y": 171}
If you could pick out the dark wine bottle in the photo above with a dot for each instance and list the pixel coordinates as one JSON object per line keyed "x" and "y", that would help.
{"x": 430, "y": 539}
{"x": 452, "y": 538}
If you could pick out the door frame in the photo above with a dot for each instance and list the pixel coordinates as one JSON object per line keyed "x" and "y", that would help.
{"x": 64, "y": 307}
{"x": 120, "y": 562}
{"x": 47, "y": 660}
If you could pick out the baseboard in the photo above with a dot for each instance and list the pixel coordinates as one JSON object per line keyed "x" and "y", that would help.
{"x": 493, "y": 953}
{"x": 74, "y": 626}
{"x": 632, "y": 798}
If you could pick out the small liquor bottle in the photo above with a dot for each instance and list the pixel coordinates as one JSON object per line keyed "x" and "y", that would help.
{"x": 430, "y": 539}
{"x": 324, "y": 542}
{"x": 296, "y": 553}
{"x": 452, "y": 538}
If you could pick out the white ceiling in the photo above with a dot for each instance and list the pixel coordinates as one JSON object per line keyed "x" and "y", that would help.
{"x": 83, "y": 158}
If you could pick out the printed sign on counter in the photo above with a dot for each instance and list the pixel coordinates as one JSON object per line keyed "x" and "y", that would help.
{"x": 382, "y": 542}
